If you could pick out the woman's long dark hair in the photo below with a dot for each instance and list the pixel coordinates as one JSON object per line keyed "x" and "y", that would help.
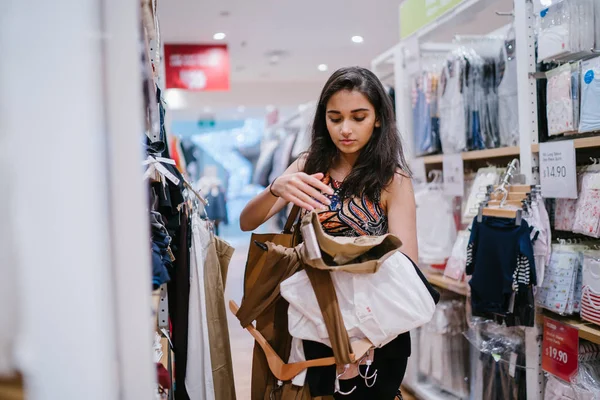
{"x": 380, "y": 159}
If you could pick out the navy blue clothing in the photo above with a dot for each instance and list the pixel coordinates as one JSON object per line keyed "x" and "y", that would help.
{"x": 498, "y": 247}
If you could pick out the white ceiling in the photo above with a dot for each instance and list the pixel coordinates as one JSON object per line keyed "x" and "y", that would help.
{"x": 309, "y": 32}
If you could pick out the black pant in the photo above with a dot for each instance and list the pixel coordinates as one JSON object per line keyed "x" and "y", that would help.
{"x": 390, "y": 372}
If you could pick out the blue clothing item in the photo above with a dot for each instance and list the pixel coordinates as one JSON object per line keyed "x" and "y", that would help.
{"x": 161, "y": 259}
{"x": 500, "y": 259}
{"x": 422, "y": 124}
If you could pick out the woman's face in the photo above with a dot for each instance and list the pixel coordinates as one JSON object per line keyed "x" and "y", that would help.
{"x": 350, "y": 120}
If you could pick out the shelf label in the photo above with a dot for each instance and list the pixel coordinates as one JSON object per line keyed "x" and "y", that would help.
{"x": 454, "y": 175}
{"x": 558, "y": 174}
{"x": 560, "y": 349}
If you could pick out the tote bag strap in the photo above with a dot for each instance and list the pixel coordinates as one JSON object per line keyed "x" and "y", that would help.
{"x": 322, "y": 284}
{"x": 291, "y": 219}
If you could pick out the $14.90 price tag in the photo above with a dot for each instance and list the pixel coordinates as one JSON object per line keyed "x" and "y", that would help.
{"x": 560, "y": 349}
{"x": 558, "y": 175}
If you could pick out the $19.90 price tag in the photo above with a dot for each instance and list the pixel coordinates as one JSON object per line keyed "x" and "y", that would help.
{"x": 558, "y": 175}
{"x": 560, "y": 349}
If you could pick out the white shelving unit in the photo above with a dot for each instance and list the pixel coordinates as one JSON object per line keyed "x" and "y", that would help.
{"x": 477, "y": 17}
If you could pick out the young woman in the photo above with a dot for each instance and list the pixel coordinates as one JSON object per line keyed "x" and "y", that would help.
{"x": 356, "y": 178}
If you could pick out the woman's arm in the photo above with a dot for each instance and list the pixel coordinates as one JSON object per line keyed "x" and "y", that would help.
{"x": 293, "y": 186}
{"x": 399, "y": 199}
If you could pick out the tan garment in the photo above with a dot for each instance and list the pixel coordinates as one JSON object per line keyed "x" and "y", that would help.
{"x": 262, "y": 300}
{"x": 215, "y": 268}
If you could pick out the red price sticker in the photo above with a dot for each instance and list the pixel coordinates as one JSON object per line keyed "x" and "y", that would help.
{"x": 560, "y": 349}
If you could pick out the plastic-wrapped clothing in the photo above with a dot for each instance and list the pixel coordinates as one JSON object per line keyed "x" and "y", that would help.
{"x": 436, "y": 229}
{"x": 508, "y": 105}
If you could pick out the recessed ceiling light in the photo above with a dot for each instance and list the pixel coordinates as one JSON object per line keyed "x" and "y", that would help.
{"x": 357, "y": 39}
{"x": 207, "y": 109}
{"x": 241, "y": 109}
{"x": 274, "y": 59}
{"x": 219, "y": 36}
{"x": 270, "y": 108}
{"x": 323, "y": 67}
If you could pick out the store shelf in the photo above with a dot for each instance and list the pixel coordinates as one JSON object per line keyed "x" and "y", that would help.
{"x": 587, "y": 330}
{"x": 447, "y": 283}
{"x": 477, "y": 155}
{"x": 491, "y": 153}
{"x": 580, "y": 143}
{"x": 435, "y": 159}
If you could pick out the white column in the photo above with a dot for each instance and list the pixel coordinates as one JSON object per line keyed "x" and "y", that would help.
{"x": 527, "y": 89}
{"x": 58, "y": 128}
{"x": 129, "y": 230}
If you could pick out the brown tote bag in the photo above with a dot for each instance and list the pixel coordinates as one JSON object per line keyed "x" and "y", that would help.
{"x": 257, "y": 257}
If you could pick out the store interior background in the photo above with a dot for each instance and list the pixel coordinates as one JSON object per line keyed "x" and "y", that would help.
{"x": 281, "y": 54}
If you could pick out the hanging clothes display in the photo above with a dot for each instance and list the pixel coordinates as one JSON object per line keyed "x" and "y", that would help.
{"x": 426, "y": 123}
{"x": 500, "y": 259}
{"x": 283, "y": 155}
{"x": 264, "y": 164}
{"x": 453, "y": 124}
{"x": 455, "y": 267}
{"x": 444, "y": 351}
{"x": 498, "y": 369}
{"x": 198, "y": 379}
{"x": 485, "y": 177}
{"x": 436, "y": 229}
{"x": 508, "y": 105}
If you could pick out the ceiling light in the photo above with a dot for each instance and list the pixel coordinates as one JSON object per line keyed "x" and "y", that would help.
{"x": 270, "y": 108}
{"x": 207, "y": 110}
{"x": 241, "y": 109}
{"x": 219, "y": 36}
{"x": 357, "y": 39}
{"x": 322, "y": 67}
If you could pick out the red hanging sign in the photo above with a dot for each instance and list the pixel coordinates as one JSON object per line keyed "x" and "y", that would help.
{"x": 197, "y": 67}
{"x": 560, "y": 349}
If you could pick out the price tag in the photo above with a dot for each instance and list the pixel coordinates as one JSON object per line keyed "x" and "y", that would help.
{"x": 560, "y": 349}
{"x": 557, "y": 170}
{"x": 417, "y": 166}
{"x": 454, "y": 175}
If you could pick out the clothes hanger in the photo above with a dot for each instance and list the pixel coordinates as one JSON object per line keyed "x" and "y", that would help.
{"x": 286, "y": 372}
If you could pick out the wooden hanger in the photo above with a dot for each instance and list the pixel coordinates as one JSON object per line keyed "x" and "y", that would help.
{"x": 286, "y": 372}
{"x": 513, "y": 203}
{"x": 510, "y": 196}
{"x": 516, "y": 188}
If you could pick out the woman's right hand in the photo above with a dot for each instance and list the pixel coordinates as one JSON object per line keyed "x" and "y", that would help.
{"x": 303, "y": 190}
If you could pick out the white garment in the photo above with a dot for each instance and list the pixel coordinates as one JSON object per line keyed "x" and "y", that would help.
{"x": 485, "y": 177}
{"x": 453, "y": 132}
{"x": 436, "y": 229}
{"x": 366, "y": 302}
{"x": 199, "y": 378}
{"x": 508, "y": 105}
{"x": 455, "y": 268}
{"x": 554, "y": 39}
{"x": 590, "y": 95}
{"x": 542, "y": 247}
